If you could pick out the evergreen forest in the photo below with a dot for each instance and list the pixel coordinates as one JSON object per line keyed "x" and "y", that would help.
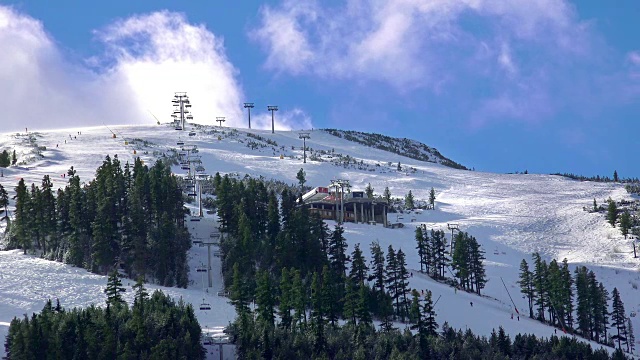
{"x": 129, "y": 217}
{"x": 155, "y": 327}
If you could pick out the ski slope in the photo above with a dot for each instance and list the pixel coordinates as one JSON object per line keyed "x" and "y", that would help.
{"x": 511, "y": 215}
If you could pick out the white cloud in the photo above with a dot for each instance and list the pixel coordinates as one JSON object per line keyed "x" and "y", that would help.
{"x": 146, "y": 59}
{"x": 634, "y": 57}
{"x": 295, "y": 119}
{"x": 160, "y": 53}
{"x": 505, "y": 60}
{"x": 408, "y": 43}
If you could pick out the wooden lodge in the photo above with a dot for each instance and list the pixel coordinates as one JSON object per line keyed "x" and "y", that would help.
{"x": 357, "y": 206}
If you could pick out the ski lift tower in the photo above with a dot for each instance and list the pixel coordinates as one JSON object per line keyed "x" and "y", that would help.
{"x": 214, "y": 240}
{"x": 199, "y": 178}
{"x": 340, "y": 184}
{"x": 220, "y": 120}
{"x": 181, "y": 111}
{"x": 248, "y": 106}
{"x": 304, "y": 136}
{"x": 272, "y": 108}
{"x": 453, "y": 228}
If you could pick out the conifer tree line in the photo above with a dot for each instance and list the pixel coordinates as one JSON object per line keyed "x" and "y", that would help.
{"x": 578, "y": 303}
{"x": 130, "y": 216}
{"x": 466, "y": 260}
{"x": 155, "y": 327}
{"x": 286, "y": 261}
{"x": 7, "y": 159}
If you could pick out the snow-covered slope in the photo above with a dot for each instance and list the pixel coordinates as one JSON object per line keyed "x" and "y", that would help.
{"x": 512, "y": 216}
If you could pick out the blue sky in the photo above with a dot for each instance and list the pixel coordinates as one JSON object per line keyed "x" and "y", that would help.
{"x": 541, "y": 85}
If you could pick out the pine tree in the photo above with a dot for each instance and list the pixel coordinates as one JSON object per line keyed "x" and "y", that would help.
{"x": 526, "y": 284}
{"x": 298, "y": 299}
{"x": 4, "y": 202}
{"x": 363, "y": 313}
{"x": 239, "y": 293}
{"x": 369, "y": 191}
{"x": 583, "y": 306}
{"x": 338, "y": 252}
{"x": 597, "y": 302}
{"x": 285, "y": 300}
{"x": 631, "y": 343}
{"x": 332, "y": 294}
{"x": 414, "y": 310}
{"x": 566, "y": 293}
{"x": 358, "y": 266}
{"x": 378, "y": 275}
{"x": 301, "y": 177}
{"x": 408, "y": 201}
{"x": 20, "y": 225}
{"x": 612, "y": 213}
{"x": 317, "y": 304}
{"x": 391, "y": 272}
{"x": 403, "y": 284}
{"x": 14, "y": 158}
{"x": 422, "y": 247}
{"x": 603, "y": 312}
{"x": 595, "y": 205}
{"x": 114, "y": 289}
{"x": 272, "y": 231}
{"x": 265, "y": 300}
{"x": 460, "y": 260}
{"x": 399, "y": 167}
{"x": 432, "y": 198}
{"x": 625, "y": 223}
{"x": 386, "y": 195}
{"x": 540, "y": 284}
{"x": 350, "y": 301}
{"x": 429, "y": 315}
{"x": 618, "y": 319}
{"x": 5, "y": 160}
{"x": 439, "y": 253}
{"x": 615, "y": 175}
{"x": 476, "y": 265}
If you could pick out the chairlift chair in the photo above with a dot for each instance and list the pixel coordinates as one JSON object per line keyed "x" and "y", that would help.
{"x": 192, "y": 194}
{"x": 201, "y": 268}
{"x": 192, "y": 133}
{"x": 180, "y": 143}
{"x": 194, "y": 218}
{"x": 178, "y": 127}
{"x": 197, "y": 242}
{"x": 205, "y": 306}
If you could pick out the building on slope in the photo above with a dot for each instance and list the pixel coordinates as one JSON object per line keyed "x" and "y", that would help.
{"x": 356, "y": 206}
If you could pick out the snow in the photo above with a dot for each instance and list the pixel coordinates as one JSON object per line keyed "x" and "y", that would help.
{"x": 511, "y": 215}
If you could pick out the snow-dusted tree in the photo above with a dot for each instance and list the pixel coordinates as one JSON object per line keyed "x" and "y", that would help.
{"x": 369, "y": 191}
{"x": 625, "y": 223}
{"x": 114, "y": 289}
{"x": 526, "y": 284}
{"x": 432, "y": 199}
{"x": 408, "y": 201}
{"x": 619, "y": 320}
{"x": 612, "y": 213}
{"x": 387, "y": 195}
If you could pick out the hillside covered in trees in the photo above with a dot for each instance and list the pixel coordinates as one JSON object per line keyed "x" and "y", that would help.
{"x": 405, "y": 147}
{"x": 130, "y": 217}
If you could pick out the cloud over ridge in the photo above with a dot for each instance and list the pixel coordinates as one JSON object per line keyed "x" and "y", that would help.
{"x": 146, "y": 59}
